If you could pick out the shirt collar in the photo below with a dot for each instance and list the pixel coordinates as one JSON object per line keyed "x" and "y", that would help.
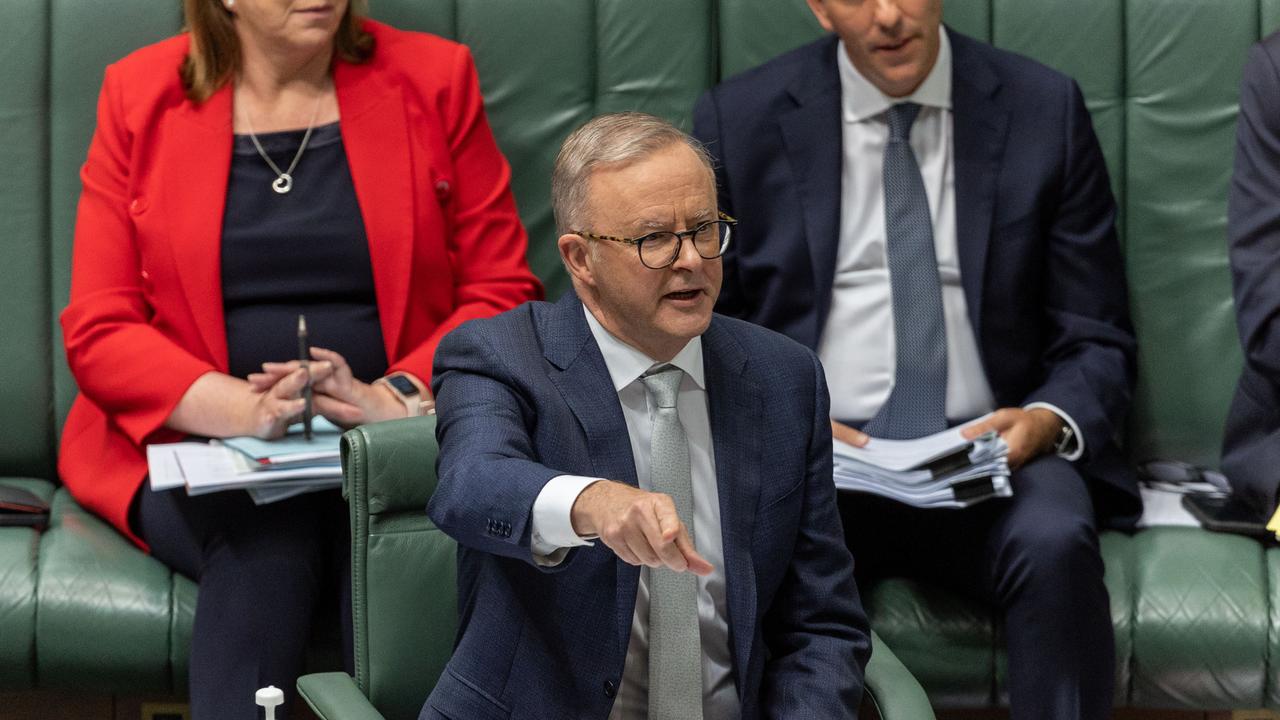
{"x": 862, "y": 101}
{"x": 626, "y": 364}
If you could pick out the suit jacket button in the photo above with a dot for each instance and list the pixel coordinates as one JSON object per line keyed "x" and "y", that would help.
{"x": 610, "y": 688}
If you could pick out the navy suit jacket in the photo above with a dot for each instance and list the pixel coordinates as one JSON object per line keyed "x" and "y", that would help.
{"x": 1251, "y": 448}
{"x": 526, "y": 396}
{"x": 1041, "y": 268}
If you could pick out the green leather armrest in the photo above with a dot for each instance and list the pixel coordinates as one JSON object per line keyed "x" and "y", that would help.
{"x": 334, "y": 696}
{"x": 892, "y": 688}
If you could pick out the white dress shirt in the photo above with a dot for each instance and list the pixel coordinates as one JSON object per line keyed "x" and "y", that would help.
{"x": 552, "y": 528}
{"x": 857, "y": 343}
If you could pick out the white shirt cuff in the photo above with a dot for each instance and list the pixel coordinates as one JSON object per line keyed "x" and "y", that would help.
{"x": 552, "y": 533}
{"x": 1076, "y": 452}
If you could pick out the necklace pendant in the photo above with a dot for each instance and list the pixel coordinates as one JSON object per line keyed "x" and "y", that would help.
{"x": 283, "y": 184}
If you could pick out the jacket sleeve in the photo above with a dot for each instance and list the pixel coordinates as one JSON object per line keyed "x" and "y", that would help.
{"x": 818, "y": 636}
{"x": 1090, "y": 353}
{"x": 1253, "y": 215}
{"x": 488, "y": 475}
{"x": 121, "y": 361}
{"x": 487, "y": 244}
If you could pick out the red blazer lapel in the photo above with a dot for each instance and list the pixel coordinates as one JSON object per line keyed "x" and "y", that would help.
{"x": 193, "y": 168}
{"x": 375, "y": 135}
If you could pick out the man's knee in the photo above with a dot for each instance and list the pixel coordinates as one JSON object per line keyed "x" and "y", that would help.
{"x": 1049, "y": 536}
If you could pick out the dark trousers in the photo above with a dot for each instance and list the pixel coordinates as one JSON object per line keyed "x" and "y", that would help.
{"x": 263, "y": 571}
{"x": 1034, "y": 556}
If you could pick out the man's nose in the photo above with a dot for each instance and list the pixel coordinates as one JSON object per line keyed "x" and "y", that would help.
{"x": 888, "y": 14}
{"x": 687, "y": 258}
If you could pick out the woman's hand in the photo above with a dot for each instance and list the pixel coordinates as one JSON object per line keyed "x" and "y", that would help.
{"x": 277, "y": 405}
{"x": 336, "y": 393}
{"x": 218, "y": 405}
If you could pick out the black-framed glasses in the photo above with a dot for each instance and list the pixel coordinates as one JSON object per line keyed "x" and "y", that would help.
{"x": 659, "y": 250}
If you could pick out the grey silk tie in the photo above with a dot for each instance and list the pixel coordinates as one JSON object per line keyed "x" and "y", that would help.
{"x": 675, "y": 648}
{"x": 917, "y": 404}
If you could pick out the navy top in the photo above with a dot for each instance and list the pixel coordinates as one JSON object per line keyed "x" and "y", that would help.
{"x": 301, "y": 252}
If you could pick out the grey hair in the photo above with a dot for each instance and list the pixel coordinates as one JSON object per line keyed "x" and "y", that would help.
{"x": 608, "y": 140}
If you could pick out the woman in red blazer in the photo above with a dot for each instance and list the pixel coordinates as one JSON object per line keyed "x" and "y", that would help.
{"x": 284, "y": 156}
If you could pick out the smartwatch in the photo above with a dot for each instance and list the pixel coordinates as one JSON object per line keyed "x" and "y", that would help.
{"x": 405, "y": 390}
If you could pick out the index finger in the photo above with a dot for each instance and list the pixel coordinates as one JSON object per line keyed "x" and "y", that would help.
{"x": 668, "y": 528}
{"x": 697, "y": 564}
{"x": 997, "y": 422}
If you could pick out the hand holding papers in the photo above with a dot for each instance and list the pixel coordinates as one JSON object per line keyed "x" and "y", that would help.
{"x": 270, "y": 470}
{"x": 935, "y": 471}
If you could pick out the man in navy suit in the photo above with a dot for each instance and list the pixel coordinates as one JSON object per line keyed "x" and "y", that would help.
{"x": 933, "y": 217}
{"x": 1251, "y": 449}
{"x": 641, "y": 490}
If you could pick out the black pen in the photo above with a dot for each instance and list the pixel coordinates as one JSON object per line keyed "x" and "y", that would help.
{"x": 304, "y": 358}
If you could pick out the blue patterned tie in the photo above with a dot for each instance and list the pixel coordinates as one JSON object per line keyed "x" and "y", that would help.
{"x": 917, "y": 405}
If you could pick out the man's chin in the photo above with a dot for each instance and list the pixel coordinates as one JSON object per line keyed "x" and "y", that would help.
{"x": 689, "y": 326}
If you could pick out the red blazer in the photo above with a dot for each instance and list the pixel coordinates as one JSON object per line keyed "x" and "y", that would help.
{"x": 145, "y": 317}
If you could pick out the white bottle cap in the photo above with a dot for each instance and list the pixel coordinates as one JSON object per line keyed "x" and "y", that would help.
{"x": 269, "y": 697}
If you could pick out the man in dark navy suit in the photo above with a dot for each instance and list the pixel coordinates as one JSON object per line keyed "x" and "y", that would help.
{"x": 1251, "y": 449}
{"x": 641, "y": 490}
{"x": 933, "y": 217}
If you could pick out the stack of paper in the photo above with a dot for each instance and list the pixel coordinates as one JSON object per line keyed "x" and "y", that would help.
{"x": 943, "y": 470}
{"x": 269, "y": 469}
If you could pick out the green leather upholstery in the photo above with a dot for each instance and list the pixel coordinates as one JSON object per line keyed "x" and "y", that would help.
{"x": 404, "y": 594}
{"x": 1197, "y": 616}
{"x": 403, "y": 567}
{"x": 19, "y": 548}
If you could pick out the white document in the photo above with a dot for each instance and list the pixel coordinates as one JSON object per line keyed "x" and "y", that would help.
{"x": 1162, "y": 504}
{"x": 907, "y": 470}
{"x": 163, "y": 466}
{"x": 212, "y": 467}
{"x": 899, "y": 455}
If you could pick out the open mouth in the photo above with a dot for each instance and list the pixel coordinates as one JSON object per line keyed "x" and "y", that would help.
{"x": 684, "y": 295}
{"x": 893, "y": 46}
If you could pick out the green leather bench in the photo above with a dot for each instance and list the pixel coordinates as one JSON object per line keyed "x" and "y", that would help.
{"x": 1194, "y": 617}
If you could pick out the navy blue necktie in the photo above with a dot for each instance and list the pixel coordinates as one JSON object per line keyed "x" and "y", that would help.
{"x": 917, "y": 404}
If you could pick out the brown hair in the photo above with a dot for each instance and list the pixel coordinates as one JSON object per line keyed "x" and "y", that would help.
{"x": 215, "y": 48}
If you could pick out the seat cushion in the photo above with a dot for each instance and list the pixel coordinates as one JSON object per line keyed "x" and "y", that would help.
{"x": 92, "y": 583}
{"x": 18, "y": 552}
{"x": 1190, "y": 609}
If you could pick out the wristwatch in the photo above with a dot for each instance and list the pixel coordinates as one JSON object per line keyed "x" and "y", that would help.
{"x": 405, "y": 390}
{"x": 1065, "y": 442}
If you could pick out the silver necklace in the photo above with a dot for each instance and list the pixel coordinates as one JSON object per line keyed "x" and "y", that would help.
{"x": 284, "y": 178}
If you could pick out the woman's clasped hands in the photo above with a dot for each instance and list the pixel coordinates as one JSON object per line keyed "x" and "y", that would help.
{"x": 335, "y": 394}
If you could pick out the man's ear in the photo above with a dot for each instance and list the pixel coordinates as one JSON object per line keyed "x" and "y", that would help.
{"x": 576, "y": 257}
{"x": 820, "y": 12}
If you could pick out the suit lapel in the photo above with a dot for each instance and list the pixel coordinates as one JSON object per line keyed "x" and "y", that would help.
{"x": 812, "y": 136}
{"x": 583, "y": 381}
{"x": 375, "y": 136}
{"x": 735, "y": 408}
{"x": 194, "y": 188}
{"x": 980, "y": 129}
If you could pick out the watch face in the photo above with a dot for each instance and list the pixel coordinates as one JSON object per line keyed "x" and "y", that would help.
{"x": 403, "y": 385}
